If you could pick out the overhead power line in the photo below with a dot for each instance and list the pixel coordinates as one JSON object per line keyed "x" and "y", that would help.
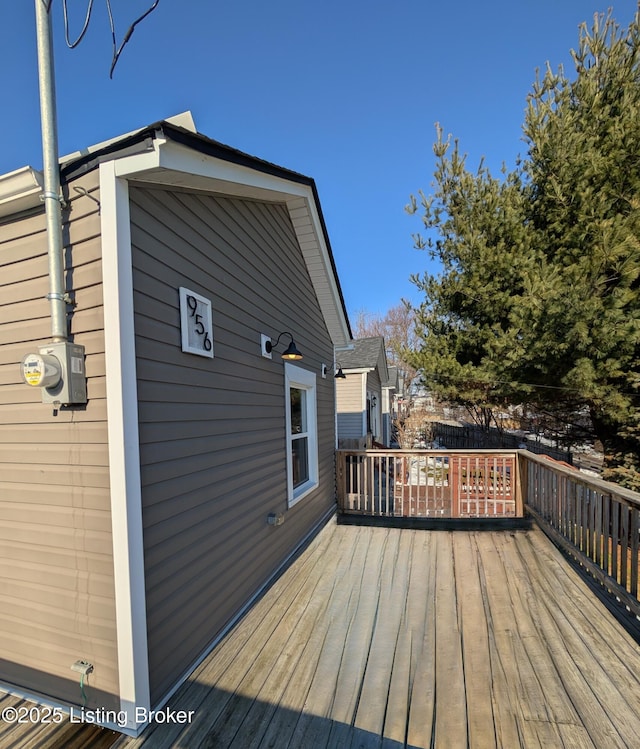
{"x": 515, "y": 384}
{"x": 116, "y": 50}
{"x": 87, "y": 18}
{"x": 127, "y": 36}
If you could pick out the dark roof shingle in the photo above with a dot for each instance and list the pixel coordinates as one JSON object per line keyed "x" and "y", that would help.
{"x": 365, "y": 354}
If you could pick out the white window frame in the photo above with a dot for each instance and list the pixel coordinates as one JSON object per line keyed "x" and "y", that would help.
{"x": 304, "y": 380}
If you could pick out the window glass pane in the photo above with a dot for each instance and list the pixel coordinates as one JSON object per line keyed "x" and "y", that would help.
{"x": 298, "y": 411}
{"x": 300, "y": 461}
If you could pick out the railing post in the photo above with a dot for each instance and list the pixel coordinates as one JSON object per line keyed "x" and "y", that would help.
{"x": 341, "y": 492}
{"x": 520, "y": 479}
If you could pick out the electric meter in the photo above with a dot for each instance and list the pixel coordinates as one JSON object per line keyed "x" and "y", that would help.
{"x": 41, "y": 370}
{"x": 57, "y": 368}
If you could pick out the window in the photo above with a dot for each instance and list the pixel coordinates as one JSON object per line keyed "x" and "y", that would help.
{"x": 302, "y": 437}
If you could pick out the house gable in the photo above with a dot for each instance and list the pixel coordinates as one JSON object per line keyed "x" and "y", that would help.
{"x": 164, "y": 154}
{"x": 360, "y": 406}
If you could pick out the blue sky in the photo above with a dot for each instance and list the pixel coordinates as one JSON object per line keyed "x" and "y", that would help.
{"x": 345, "y": 91}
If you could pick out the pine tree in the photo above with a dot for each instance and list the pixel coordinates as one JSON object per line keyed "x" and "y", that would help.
{"x": 538, "y": 300}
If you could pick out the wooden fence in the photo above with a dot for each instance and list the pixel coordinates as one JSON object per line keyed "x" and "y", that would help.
{"x": 471, "y": 437}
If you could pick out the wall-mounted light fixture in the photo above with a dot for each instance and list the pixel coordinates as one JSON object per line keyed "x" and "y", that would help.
{"x": 374, "y": 401}
{"x": 339, "y": 375}
{"x": 291, "y": 353}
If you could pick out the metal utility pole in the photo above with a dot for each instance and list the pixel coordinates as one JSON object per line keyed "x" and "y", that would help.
{"x": 53, "y": 208}
{"x": 58, "y": 367}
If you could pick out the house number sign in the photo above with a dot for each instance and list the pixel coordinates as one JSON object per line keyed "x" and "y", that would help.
{"x": 195, "y": 323}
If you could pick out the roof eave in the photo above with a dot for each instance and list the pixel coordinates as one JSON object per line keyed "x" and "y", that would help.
{"x": 20, "y": 190}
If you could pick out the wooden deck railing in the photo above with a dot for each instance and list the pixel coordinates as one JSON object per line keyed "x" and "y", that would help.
{"x": 429, "y": 483}
{"x": 595, "y": 521}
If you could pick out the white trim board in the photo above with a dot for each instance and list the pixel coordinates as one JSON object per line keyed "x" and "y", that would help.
{"x": 295, "y": 376}
{"x": 124, "y": 466}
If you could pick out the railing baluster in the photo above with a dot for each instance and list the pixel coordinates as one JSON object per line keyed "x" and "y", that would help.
{"x": 495, "y": 491}
{"x": 431, "y": 482}
{"x": 582, "y": 514}
{"x": 388, "y": 486}
{"x": 560, "y": 506}
{"x": 597, "y": 530}
{"x": 377, "y": 465}
{"x": 615, "y": 543}
{"x": 634, "y": 530}
{"x": 593, "y": 519}
{"x": 606, "y": 535}
{"x": 577, "y": 515}
{"x": 361, "y": 483}
{"x": 476, "y": 485}
{"x": 624, "y": 545}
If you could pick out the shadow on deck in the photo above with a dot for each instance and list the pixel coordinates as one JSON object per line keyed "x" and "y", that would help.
{"x": 389, "y": 638}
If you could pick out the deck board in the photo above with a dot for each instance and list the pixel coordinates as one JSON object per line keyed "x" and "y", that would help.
{"x": 451, "y": 705}
{"x": 392, "y": 638}
{"x": 597, "y": 680}
{"x": 422, "y": 604}
{"x": 475, "y": 644}
{"x": 416, "y": 638}
{"x": 47, "y": 734}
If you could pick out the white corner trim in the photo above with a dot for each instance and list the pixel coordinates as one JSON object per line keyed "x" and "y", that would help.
{"x": 364, "y": 402}
{"x": 124, "y": 466}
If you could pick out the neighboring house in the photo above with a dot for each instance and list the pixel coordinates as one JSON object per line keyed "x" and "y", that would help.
{"x": 390, "y": 390}
{"x": 359, "y": 395}
{"x": 137, "y": 527}
{"x": 401, "y": 400}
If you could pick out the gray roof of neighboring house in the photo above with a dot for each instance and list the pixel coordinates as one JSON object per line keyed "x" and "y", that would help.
{"x": 365, "y": 354}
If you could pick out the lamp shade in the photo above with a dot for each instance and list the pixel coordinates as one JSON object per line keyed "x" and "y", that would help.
{"x": 291, "y": 353}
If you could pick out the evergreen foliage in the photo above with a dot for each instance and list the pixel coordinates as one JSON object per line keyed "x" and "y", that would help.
{"x": 538, "y": 300}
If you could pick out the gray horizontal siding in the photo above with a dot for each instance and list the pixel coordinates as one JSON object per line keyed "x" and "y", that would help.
{"x": 350, "y": 425}
{"x": 373, "y": 382}
{"x": 212, "y": 431}
{"x": 56, "y": 558}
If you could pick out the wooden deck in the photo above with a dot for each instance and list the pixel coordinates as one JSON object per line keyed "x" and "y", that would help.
{"x": 395, "y": 638}
{"x": 24, "y": 725}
